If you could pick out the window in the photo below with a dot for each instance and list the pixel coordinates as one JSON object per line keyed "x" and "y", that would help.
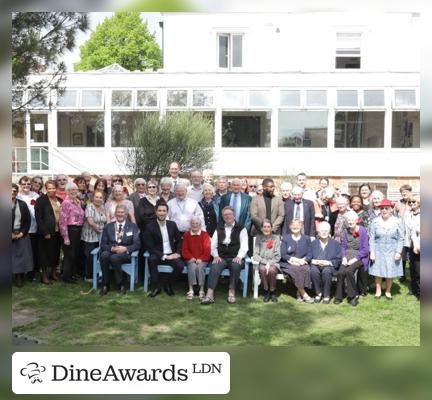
{"x": 406, "y": 129}
{"x": 202, "y": 98}
{"x": 91, "y": 98}
{"x": 290, "y": 98}
{"x": 347, "y": 98}
{"x": 259, "y": 98}
{"x": 147, "y": 98}
{"x": 67, "y": 99}
{"x": 121, "y": 98}
{"x": 17, "y": 98}
{"x": 177, "y": 98}
{"x": 123, "y": 125}
{"x": 39, "y": 128}
{"x": 18, "y": 129}
{"x": 348, "y": 50}
{"x": 302, "y": 128}
{"x": 356, "y": 129}
{"x": 37, "y": 100}
{"x": 39, "y": 158}
{"x": 405, "y": 98}
{"x": 233, "y": 98}
{"x": 245, "y": 129}
{"x": 373, "y": 98}
{"x": 80, "y": 129}
{"x": 230, "y": 48}
{"x": 316, "y": 98}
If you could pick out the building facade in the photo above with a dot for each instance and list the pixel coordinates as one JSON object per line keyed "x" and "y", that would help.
{"x": 330, "y": 94}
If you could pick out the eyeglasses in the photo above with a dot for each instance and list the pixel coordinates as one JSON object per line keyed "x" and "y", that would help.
{"x": 140, "y": 184}
{"x": 412, "y": 202}
{"x": 151, "y": 187}
{"x": 118, "y": 180}
{"x": 25, "y": 184}
{"x": 61, "y": 180}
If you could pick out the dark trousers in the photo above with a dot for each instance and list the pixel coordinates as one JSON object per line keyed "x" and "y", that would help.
{"x": 216, "y": 270}
{"x": 362, "y": 280}
{"x": 35, "y": 253}
{"x": 110, "y": 260}
{"x": 321, "y": 279}
{"x": 71, "y": 253}
{"x": 49, "y": 252}
{"x": 88, "y": 248}
{"x": 268, "y": 280}
{"x": 153, "y": 262}
{"x": 346, "y": 274}
{"x": 414, "y": 261}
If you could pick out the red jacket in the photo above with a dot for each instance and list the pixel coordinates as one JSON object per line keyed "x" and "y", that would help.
{"x": 196, "y": 246}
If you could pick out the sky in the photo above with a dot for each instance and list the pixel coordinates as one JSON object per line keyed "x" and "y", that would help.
{"x": 95, "y": 18}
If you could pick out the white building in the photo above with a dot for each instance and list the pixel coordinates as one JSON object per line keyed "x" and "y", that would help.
{"x": 331, "y": 94}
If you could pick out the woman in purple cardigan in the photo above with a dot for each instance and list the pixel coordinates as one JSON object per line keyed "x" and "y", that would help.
{"x": 355, "y": 257}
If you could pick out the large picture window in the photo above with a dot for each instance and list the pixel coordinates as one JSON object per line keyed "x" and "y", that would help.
{"x": 123, "y": 125}
{"x": 230, "y": 48}
{"x": 303, "y": 129}
{"x": 356, "y": 129}
{"x": 39, "y": 127}
{"x": 406, "y": 129}
{"x": 80, "y": 129}
{"x": 245, "y": 129}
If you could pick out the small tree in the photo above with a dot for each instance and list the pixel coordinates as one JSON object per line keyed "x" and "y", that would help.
{"x": 123, "y": 39}
{"x": 185, "y": 137}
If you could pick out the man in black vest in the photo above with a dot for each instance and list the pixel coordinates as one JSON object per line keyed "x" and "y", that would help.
{"x": 229, "y": 246}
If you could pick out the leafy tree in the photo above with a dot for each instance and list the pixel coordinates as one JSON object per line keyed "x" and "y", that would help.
{"x": 39, "y": 40}
{"x": 123, "y": 39}
{"x": 185, "y": 137}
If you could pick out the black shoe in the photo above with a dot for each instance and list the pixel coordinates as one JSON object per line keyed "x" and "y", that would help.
{"x": 104, "y": 291}
{"x": 168, "y": 290}
{"x": 364, "y": 294}
{"x": 19, "y": 281}
{"x": 266, "y": 297}
{"x": 273, "y": 297}
{"x": 155, "y": 292}
{"x": 123, "y": 289}
{"x": 337, "y": 301}
{"x": 354, "y": 302}
{"x": 71, "y": 281}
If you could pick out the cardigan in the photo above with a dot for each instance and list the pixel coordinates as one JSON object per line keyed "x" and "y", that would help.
{"x": 196, "y": 246}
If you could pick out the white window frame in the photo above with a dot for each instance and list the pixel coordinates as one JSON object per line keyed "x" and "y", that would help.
{"x": 230, "y": 35}
{"x": 77, "y": 100}
{"x": 270, "y": 96}
{"x": 203, "y": 108}
{"x": 131, "y": 107}
{"x": 347, "y": 108}
{"x": 101, "y": 107}
{"x": 188, "y": 99}
{"x": 362, "y": 105}
{"x": 415, "y": 107}
{"x": 245, "y": 99}
{"x": 348, "y": 30}
{"x": 315, "y": 108}
{"x": 292, "y": 89}
{"x": 149, "y": 108}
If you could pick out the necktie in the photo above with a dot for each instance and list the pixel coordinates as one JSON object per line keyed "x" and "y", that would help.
{"x": 297, "y": 211}
{"x": 119, "y": 233}
{"x": 237, "y": 206}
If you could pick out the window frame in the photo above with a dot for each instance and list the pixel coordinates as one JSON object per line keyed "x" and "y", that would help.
{"x": 188, "y": 99}
{"x": 100, "y": 107}
{"x": 371, "y": 108}
{"x": 230, "y": 33}
{"x": 339, "y": 42}
{"x": 413, "y": 107}
{"x": 114, "y": 107}
{"x": 144, "y": 108}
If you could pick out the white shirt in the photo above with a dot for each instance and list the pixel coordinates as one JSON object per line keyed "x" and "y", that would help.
{"x": 27, "y": 198}
{"x": 309, "y": 194}
{"x": 117, "y": 230}
{"x": 182, "y": 211}
{"x": 165, "y": 238}
{"x": 244, "y": 245}
{"x": 195, "y": 193}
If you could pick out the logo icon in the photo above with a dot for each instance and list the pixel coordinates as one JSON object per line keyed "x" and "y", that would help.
{"x": 33, "y": 371}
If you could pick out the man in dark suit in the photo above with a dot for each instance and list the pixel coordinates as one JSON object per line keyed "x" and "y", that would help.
{"x": 120, "y": 238}
{"x": 163, "y": 240}
{"x": 299, "y": 208}
{"x": 240, "y": 202}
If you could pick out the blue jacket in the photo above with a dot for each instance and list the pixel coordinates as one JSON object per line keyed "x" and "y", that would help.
{"x": 332, "y": 253}
{"x": 130, "y": 237}
{"x": 245, "y": 216}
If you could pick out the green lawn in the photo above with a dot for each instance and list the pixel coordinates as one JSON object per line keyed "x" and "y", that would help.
{"x": 66, "y": 317}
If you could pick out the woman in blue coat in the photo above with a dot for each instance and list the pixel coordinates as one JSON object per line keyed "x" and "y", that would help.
{"x": 386, "y": 240}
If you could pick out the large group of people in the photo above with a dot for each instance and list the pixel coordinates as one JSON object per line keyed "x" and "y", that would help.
{"x": 312, "y": 236}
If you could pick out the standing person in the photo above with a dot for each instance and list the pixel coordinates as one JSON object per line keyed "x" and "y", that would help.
{"x": 119, "y": 240}
{"x": 365, "y": 191}
{"x": 25, "y": 194}
{"x": 118, "y": 180}
{"x": 412, "y": 242}
{"x": 299, "y": 208}
{"x": 82, "y": 190}
{"x": 210, "y": 209}
{"x": 294, "y": 263}
{"x": 102, "y": 186}
{"x": 221, "y": 188}
{"x": 208, "y": 176}
{"x": 374, "y": 209}
{"x": 285, "y": 189}
{"x": 325, "y": 258}
{"x": 47, "y": 213}
{"x": 174, "y": 175}
{"x": 326, "y": 208}
{"x": 322, "y": 183}
{"x": 140, "y": 192}
{"x": 267, "y": 251}
{"x": 386, "y": 240}
{"x": 356, "y": 204}
{"x": 268, "y": 206}
{"x": 240, "y": 202}
{"x": 70, "y": 224}
{"x": 94, "y": 223}
{"x": 402, "y": 206}
{"x": 165, "y": 190}
{"x": 194, "y": 191}
{"x": 118, "y": 197}
{"x": 22, "y": 260}
{"x": 37, "y": 185}
{"x": 163, "y": 241}
{"x": 62, "y": 181}
{"x": 196, "y": 252}
{"x": 301, "y": 181}
{"x": 146, "y": 209}
{"x": 229, "y": 246}
{"x": 109, "y": 182}
{"x": 181, "y": 209}
{"x": 355, "y": 257}
{"x": 244, "y": 185}
{"x": 252, "y": 187}
{"x": 87, "y": 178}
{"x": 340, "y": 223}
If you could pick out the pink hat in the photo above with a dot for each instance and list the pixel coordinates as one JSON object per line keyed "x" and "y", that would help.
{"x": 386, "y": 203}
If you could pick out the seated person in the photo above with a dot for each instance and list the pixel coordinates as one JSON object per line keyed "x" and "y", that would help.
{"x": 294, "y": 250}
{"x": 120, "y": 238}
{"x": 229, "y": 246}
{"x": 325, "y": 257}
{"x": 267, "y": 253}
{"x": 163, "y": 242}
{"x": 196, "y": 252}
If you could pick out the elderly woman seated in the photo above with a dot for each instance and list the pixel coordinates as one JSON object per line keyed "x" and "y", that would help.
{"x": 267, "y": 253}
{"x": 196, "y": 252}
{"x": 355, "y": 257}
{"x": 325, "y": 258}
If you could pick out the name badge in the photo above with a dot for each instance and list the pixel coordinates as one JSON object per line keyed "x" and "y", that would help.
{"x": 129, "y": 233}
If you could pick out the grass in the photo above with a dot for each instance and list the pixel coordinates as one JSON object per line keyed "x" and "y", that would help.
{"x": 65, "y": 317}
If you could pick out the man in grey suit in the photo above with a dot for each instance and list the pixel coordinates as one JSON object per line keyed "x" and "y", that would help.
{"x": 268, "y": 206}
